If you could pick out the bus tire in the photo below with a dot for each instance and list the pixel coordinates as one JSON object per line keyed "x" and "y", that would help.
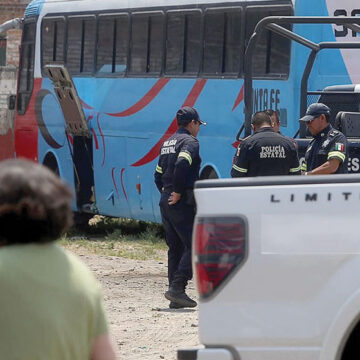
{"x": 208, "y": 173}
{"x": 51, "y": 163}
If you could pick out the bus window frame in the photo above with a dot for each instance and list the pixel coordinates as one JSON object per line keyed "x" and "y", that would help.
{"x": 22, "y": 111}
{"x": 83, "y": 17}
{"x": 52, "y": 18}
{"x": 224, "y": 10}
{"x": 270, "y": 76}
{"x": 114, "y": 16}
{"x": 185, "y": 11}
{"x": 147, "y": 14}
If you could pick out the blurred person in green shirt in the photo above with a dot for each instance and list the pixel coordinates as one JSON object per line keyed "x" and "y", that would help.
{"x": 51, "y": 305}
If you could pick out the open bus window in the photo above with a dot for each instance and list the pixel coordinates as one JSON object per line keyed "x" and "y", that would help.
{"x": 183, "y": 43}
{"x": 222, "y": 41}
{"x": 26, "y": 72}
{"x": 112, "y": 46}
{"x": 52, "y": 40}
{"x": 81, "y": 44}
{"x": 272, "y": 53}
{"x": 146, "y": 43}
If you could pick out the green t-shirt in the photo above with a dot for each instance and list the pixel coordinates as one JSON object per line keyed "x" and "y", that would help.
{"x": 50, "y": 304}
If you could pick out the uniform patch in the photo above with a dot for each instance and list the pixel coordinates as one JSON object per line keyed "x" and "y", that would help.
{"x": 339, "y": 147}
{"x": 272, "y": 152}
{"x": 325, "y": 143}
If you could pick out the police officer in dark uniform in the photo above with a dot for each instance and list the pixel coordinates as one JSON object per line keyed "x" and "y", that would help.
{"x": 327, "y": 151}
{"x": 266, "y": 152}
{"x": 275, "y": 119}
{"x": 175, "y": 175}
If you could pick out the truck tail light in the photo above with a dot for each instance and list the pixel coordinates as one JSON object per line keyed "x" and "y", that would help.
{"x": 220, "y": 247}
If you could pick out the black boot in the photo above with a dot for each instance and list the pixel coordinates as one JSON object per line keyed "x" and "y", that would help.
{"x": 174, "y": 305}
{"x": 176, "y": 294}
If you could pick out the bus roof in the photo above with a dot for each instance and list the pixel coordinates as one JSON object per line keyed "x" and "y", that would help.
{"x": 64, "y": 6}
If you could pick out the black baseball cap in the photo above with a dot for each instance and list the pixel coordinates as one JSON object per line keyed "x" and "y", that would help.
{"x": 186, "y": 114}
{"x": 315, "y": 110}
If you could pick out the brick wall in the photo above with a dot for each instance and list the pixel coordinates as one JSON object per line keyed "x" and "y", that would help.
{"x": 10, "y": 9}
{"x": 8, "y": 86}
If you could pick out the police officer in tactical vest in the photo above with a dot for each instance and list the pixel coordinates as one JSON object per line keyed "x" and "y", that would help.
{"x": 327, "y": 151}
{"x": 175, "y": 175}
{"x": 266, "y": 152}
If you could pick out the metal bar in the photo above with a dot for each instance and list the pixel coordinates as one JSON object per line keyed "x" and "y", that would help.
{"x": 353, "y": 27}
{"x": 291, "y": 35}
{"x": 303, "y": 91}
{"x": 339, "y": 45}
{"x": 11, "y": 24}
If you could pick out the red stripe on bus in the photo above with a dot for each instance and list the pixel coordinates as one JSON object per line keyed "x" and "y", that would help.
{"x": 102, "y": 137}
{"x": 70, "y": 139}
{"x": 96, "y": 140}
{"x": 143, "y": 102}
{"x": 122, "y": 183}
{"x": 113, "y": 179}
{"x": 190, "y": 101}
{"x": 85, "y": 105}
{"x": 239, "y": 98}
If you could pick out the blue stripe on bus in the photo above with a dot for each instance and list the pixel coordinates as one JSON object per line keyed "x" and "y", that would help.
{"x": 34, "y": 8}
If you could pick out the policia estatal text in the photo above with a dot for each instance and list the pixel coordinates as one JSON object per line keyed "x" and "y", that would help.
{"x": 266, "y": 152}
{"x": 175, "y": 175}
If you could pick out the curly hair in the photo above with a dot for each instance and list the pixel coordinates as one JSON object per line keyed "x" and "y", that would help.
{"x": 35, "y": 205}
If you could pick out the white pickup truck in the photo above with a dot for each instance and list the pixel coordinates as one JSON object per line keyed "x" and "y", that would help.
{"x": 277, "y": 268}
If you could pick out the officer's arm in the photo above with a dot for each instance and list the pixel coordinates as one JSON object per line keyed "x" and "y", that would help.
{"x": 329, "y": 167}
{"x": 336, "y": 156}
{"x": 295, "y": 168}
{"x": 183, "y": 164}
{"x": 240, "y": 166}
{"x": 158, "y": 177}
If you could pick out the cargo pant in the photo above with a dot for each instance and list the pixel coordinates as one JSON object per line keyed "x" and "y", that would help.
{"x": 178, "y": 221}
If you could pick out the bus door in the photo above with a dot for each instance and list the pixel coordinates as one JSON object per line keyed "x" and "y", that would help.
{"x": 78, "y": 136}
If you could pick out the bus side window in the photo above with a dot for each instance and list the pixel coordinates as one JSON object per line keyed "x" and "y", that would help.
{"x": 52, "y": 40}
{"x": 112, "y": 45}
{"x": 146, "y": 46}
{"x": 183, "y": 42}
{"x": 26, "y": 73}
{"x": 272, "y": 54}
{"x": 222, "y": 41}
{"x": 81, "y": 44}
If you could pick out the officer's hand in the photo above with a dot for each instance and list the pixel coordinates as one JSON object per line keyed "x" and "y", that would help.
{"x": 174, "y": 198}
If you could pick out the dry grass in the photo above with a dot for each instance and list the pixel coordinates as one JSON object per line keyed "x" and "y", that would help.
{"x": 119, "y": 237}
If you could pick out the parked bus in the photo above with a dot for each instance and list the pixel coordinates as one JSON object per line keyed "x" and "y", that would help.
{"x": 100, "y": 83}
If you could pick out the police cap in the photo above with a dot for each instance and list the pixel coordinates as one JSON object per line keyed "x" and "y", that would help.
{"x": 315, "y": 110}
{"x": 186, "y": 114}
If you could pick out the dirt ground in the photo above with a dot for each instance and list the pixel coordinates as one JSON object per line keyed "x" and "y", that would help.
{"x": 141, "y": 323}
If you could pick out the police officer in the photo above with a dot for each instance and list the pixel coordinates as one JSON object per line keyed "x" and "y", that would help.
{"x": 175, "y": 175}
{"x": 327, "y": 151}
{"x": 266, "y": 152}
{"x": 275, "y": 119}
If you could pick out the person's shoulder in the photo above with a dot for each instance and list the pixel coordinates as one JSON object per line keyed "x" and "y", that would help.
{"x": 336, "y": 134}
{"x": 82, "y": 276}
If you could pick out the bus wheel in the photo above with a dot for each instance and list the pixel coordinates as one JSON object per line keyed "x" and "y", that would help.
{"x": 51, "y": 163}
{"x": 208, "y": 173}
